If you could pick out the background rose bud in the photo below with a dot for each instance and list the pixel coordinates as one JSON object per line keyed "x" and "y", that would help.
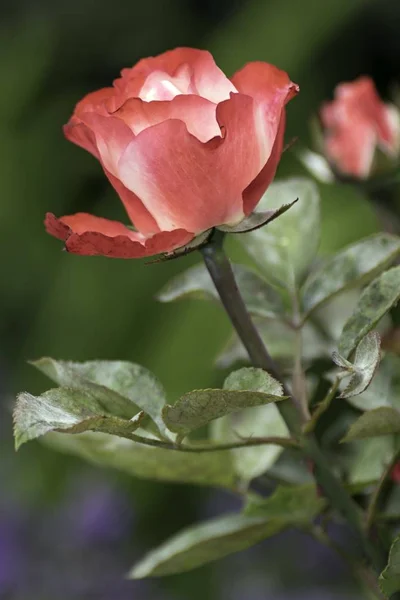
{"x": 357, "y": 122}
{"x": 185, "y": 148}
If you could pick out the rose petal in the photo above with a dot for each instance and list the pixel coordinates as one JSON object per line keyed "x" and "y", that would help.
{"x": 353, "y": 154}
{"x": 88, "y": 235}
{"x": 253, "y": 193}
{"x": 271, "y": 89}
{"x": 186, "y": 184}
{"x": 207, "y": 79}
{"x": 77, "y": 132}
{"x": 198, "y": 114}
{"x": 143, "y": 221}
{"x": 94, "y": 101}
{"x": 112, "y": 138}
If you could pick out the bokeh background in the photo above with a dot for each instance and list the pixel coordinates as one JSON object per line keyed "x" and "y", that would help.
{"x": 67, "y": 529}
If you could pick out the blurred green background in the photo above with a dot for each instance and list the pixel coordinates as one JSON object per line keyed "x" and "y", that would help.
{"x": 67, "y": 529}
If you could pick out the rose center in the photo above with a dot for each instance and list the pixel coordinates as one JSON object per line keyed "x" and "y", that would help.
{"x": 160, "y": 86}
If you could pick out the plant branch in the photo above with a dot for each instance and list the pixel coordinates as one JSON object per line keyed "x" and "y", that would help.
{"x": 256, "y": 441}
{"x": 322, "y": 407}
{"x": 299, "y": 379}
{"x": 222, "y": 275}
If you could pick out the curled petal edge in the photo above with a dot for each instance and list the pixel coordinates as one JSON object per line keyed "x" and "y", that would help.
{"x": 95, "y": 242}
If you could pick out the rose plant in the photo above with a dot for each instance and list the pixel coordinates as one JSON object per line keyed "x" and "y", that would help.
{"x": 313, "y": 404}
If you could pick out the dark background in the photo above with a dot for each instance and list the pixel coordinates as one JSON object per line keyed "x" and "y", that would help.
{"x": 68, "y": 530}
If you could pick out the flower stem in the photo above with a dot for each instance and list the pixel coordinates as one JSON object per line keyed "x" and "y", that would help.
{"x": 291, "y": 411}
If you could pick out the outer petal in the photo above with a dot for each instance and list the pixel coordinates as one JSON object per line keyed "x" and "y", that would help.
{"x": 106, "y": 138}
{"x": 94, "y": 102}
{"x": 253, "y": 193}
{"x": 271, "y": 89}
{"x": 206, "y": 78}
{"x": 197, "y": 113}
{"x": 186, "y": 184}
{"x": 93, "y": 236}
{"x": 351, "y": 148}
{"x": 136, "y": 210}
{"x": 77, "y": 132}
{"x": 112, "y": 137}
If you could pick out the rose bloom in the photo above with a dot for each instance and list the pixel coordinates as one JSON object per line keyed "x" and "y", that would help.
{"x": 185, "y": 148}
{"x": 357, "y": 122}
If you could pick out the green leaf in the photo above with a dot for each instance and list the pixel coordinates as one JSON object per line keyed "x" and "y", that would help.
{"x": 369, "y": 458}
{"x": 285, "y": 248}
{"x": 122, "y": 388}
{"x": 261, "y": 421}
{"x": 204, "y": 543}
{"x": 380, "y": 421}
{"x": 280, "y": 340}
{"x": 389, "y": 579}
{"x": 295, "y": 504}
{"x": 72, "y": 411}
{"x": 385, "y": 386}
{"x": 195, "y": 546}
{"x": 260, "y": 298}
{"x": 375, "y": 301}
{"x": 351, "y": 267}
{"x": 242, "y": 389}
{"x": 363, "y": 369}
{"x": 139, "y": 460}
{"x": 256, "y": 220}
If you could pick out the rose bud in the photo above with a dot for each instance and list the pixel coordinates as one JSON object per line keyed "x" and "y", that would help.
{"x": 185, "y": 148}
{"x": 357, "y": 123}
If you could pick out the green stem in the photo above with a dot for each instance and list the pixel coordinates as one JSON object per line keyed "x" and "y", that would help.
{"x": 299, "y": 383}
{"x": 222, "y": 275}
{"x": 322, "y": 407}
{"x": 259, "y": 441}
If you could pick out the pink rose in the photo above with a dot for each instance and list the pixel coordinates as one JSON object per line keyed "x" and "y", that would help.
{"x": 185, "y": 148}
{"x": 357, "y": 122}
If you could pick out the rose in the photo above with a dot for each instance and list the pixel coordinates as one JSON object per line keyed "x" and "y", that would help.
{"x": 185, "y": 148}
{"x": 357, "y": 122}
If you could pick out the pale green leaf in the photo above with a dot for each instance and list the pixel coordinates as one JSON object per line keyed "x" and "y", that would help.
{"x": 385, "y": 386}
{"x": 122, "y": 388}
{"x": 253, "y": 379}
{"x": 73, "y": 411}
{"x": 285, "y": 248}
{"x": 204, "y": 543}
{"x": 200, "y": 407}
{"x": 139, "y": 460}
{"x": 242, "y": 389}
{"x": 389, "y": 579}
{"x": 260, "y": 298}
{"x": 369, "y": 458}
{"x": 351, "y": 267}
{"x": 375, "y": 301}
{"x": 195, "y": 546}
{"x": 366, "y": 361}
{"x": 376, "y": 422}
{"x": 296, "y": 504}
{"x": 261, "y": 421}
